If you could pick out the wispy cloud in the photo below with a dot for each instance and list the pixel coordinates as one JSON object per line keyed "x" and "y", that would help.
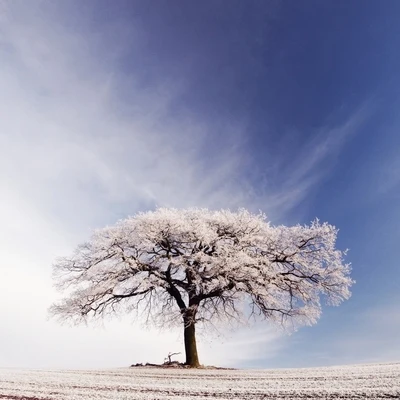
{"x": 62, "y": 128}
{"x": 65, "y": 126}
{"x": 300, "y": 167}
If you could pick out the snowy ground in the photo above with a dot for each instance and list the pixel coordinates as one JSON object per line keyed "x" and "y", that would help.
{"x": 375, "y": 381}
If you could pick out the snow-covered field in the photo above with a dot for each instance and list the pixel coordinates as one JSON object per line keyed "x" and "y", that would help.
{"x": 374, "y": 381}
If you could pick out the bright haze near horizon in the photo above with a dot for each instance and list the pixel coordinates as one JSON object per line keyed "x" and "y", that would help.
{"x": 108, "y": 108}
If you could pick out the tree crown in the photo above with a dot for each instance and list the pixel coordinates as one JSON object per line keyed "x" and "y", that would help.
{"x": 203, "y": 264}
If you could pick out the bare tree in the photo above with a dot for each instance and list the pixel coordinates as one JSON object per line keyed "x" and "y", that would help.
{"x": 196, "y": 265}
{"x": 168, "y": 359}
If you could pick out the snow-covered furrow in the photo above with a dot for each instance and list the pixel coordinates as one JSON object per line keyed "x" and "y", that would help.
{"x": 374, "y": 381}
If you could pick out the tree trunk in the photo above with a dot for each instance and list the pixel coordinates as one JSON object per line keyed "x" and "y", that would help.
{"x": 192, "y": 359}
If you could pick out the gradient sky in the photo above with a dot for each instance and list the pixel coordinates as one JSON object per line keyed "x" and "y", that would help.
{"x": 112, "y": 107}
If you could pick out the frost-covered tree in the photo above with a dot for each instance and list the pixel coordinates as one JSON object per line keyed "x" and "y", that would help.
{"x": 196, "y": 265}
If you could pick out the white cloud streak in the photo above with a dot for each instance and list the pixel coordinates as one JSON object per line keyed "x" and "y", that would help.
{"x": 298, "y": 168}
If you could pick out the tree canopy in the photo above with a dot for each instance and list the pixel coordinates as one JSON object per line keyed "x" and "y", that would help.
{"x": 192, "y": 265}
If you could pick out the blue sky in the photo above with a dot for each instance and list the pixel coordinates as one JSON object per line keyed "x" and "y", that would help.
{"x": 112, "y": 107}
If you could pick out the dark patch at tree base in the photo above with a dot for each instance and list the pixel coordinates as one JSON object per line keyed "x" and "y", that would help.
{"x": 176, "y": 364}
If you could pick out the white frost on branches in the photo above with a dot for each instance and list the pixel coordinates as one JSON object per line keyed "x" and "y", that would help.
{"x": 170, "y": 263}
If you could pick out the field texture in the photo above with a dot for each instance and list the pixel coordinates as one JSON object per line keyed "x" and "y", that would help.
{"x": 378, "y": 381}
